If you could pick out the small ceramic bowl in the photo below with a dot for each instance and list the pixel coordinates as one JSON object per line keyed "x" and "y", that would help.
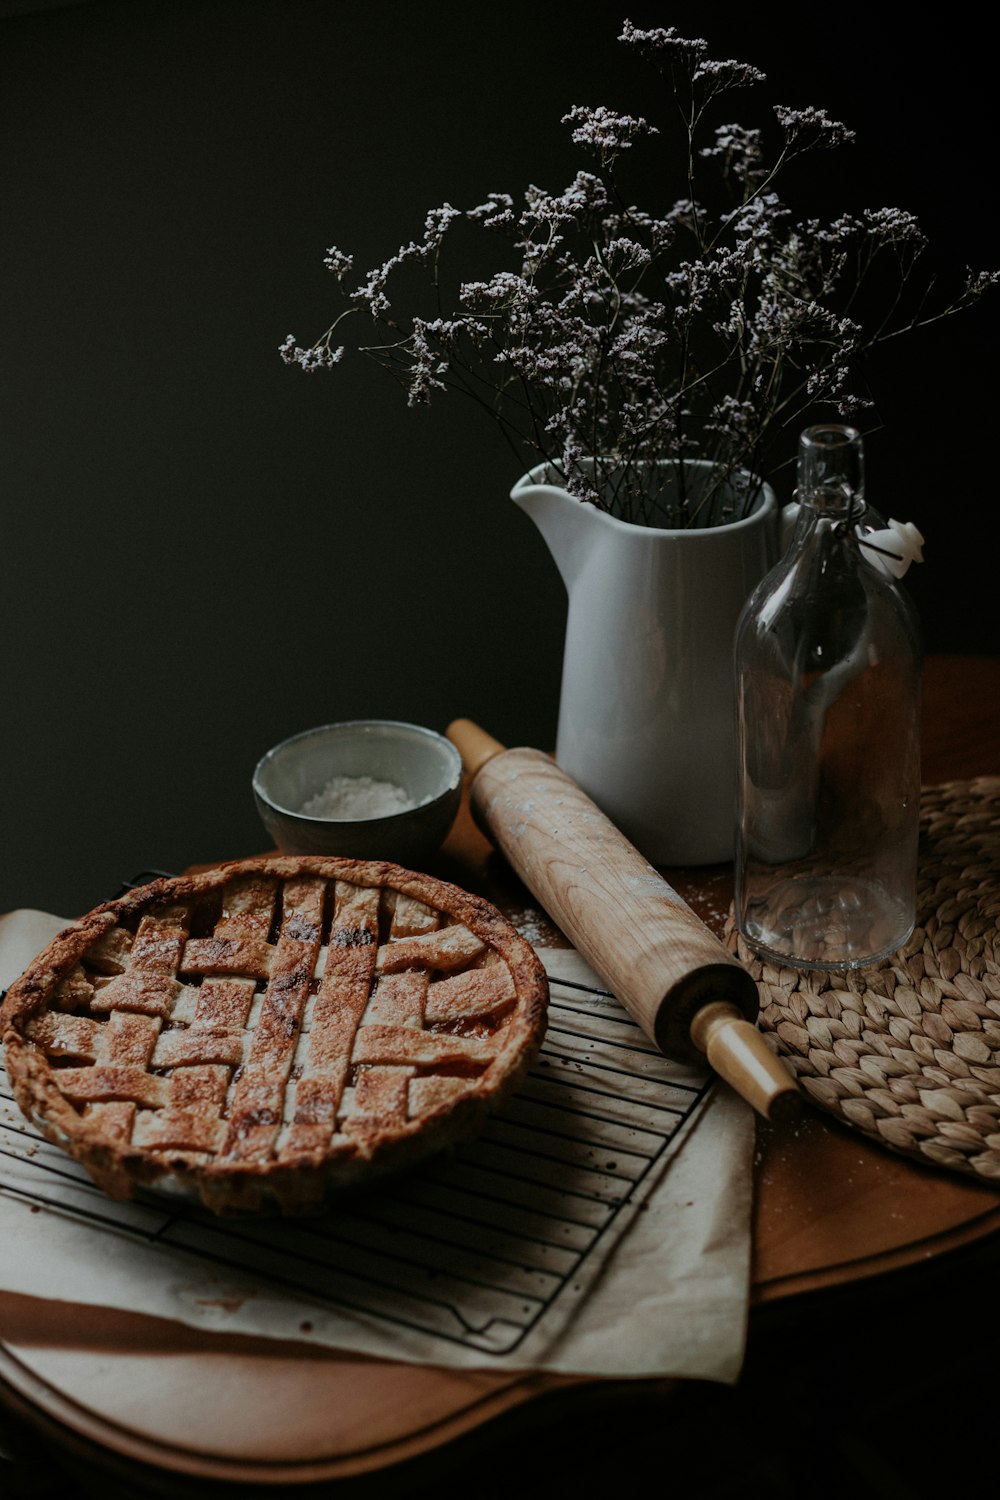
{"x": 385, "y": 789}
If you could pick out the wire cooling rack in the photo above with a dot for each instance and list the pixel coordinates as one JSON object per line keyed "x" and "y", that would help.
{"x": 471, "y": 1248}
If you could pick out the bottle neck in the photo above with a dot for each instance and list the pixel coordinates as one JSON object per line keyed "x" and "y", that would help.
{"x": 831, "y": 472}
{"x": 833, "y": 504}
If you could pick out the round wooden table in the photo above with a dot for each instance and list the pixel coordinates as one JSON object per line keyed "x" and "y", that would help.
{"x": 834, "y": 1213}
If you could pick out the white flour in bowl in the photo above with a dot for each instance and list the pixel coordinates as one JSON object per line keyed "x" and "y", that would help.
{"x": 353, "y": 797}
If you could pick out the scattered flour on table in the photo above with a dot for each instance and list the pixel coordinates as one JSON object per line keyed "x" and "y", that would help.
{"x": 357, "y": 797}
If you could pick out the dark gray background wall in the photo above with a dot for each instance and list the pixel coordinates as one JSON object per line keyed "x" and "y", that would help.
{"x": 204, "y": 551}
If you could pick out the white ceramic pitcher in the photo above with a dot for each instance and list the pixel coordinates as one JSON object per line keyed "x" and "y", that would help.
{"x": 647, "y": 704}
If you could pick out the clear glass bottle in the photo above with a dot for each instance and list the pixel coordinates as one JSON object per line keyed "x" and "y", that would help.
{"x": 828, "y": 681}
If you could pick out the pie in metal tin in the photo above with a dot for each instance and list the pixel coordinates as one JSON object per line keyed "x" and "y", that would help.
{"x": 268, "y": 1032}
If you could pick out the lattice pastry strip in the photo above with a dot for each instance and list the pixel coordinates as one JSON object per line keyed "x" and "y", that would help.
{"x": 345, "y": 987}
{"x": 266, "y": 1032}
{"x": 256, "y": 1109}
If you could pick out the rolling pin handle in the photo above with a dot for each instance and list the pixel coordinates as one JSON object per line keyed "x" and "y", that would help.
{"x": 474, "y": 745}
{"x": 737, "y": 1051}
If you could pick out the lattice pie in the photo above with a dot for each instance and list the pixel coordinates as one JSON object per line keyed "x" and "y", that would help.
{"x": 272, "y": 1030}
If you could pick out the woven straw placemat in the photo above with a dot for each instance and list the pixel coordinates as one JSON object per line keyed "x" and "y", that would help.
{"x": 908, "y": 1050}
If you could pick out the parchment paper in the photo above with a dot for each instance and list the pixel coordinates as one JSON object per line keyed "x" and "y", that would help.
{"x": 657, "y": 1285}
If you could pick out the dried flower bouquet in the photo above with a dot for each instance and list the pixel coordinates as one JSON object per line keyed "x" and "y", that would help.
{"x": 612, "y": 338}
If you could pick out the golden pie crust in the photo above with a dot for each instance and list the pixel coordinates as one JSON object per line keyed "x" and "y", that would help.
{"x": 272, "y": 1030}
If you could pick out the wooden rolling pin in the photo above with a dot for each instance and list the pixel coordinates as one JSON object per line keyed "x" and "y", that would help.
{"x": 674, "y": 977}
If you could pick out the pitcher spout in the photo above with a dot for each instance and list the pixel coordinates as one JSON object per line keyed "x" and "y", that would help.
{"x": 561, "y": 519}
